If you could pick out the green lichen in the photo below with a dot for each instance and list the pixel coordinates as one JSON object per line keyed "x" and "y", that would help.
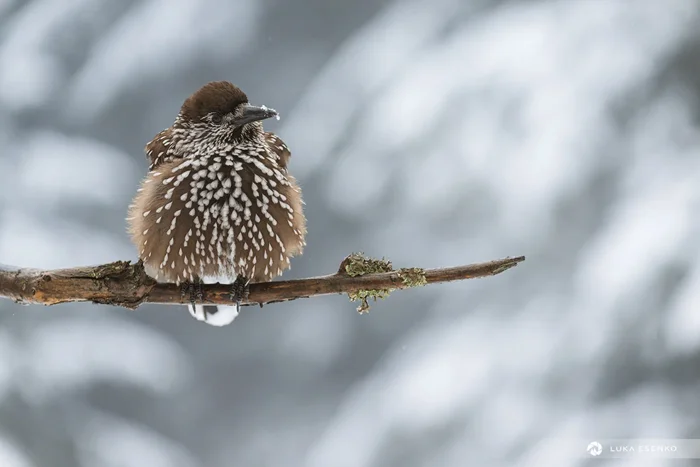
{"x": 412, "y": 277}
{"x": 364, "y": 295}
{"x": 357, "y": 264}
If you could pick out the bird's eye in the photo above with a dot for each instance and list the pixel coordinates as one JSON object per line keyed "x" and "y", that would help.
{"x": 216, "y": 119}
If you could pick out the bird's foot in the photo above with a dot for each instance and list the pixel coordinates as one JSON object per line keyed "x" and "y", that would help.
{"x": 193, "y": 289}
{"x": 240, "y": 291}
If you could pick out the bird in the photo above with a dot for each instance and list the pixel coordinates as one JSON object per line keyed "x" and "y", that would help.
{"x": 218, "y": 202}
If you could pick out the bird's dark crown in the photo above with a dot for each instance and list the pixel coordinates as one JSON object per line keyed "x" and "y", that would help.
{"x": 215, "y": 98}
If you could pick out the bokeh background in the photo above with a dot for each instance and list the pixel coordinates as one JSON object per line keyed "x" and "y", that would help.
{"x": 434, "y": 133}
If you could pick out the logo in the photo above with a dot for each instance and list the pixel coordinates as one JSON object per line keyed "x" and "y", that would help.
{"x": 594, "y": 449}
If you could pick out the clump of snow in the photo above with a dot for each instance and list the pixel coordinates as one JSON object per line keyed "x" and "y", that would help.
{"x": 277, "y": 115}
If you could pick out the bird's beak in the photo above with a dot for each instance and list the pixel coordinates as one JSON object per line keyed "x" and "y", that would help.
{"x": 252, "y": 113}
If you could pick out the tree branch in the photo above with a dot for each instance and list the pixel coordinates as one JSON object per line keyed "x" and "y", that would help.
{"x": 125, "y": 284}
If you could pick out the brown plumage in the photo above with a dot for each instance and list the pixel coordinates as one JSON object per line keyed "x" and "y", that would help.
{"x": 218, "y": 201}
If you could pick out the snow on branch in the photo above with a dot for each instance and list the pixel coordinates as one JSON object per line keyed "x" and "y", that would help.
{"x": 127, "y": 285}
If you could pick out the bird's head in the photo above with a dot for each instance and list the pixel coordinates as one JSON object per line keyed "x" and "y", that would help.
{"x": 219, "y": 112}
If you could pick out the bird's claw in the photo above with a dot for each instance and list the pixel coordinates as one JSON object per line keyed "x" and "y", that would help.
{"x": 194, "y": 290}
{"x": 240, "y": 290}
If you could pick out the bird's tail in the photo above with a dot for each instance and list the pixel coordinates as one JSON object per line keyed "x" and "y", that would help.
{"x": 214, "y": 315}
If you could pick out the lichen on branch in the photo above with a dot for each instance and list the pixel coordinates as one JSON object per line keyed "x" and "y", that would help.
{"x": 357, "y": 264}
{"x": 127, "y": 285}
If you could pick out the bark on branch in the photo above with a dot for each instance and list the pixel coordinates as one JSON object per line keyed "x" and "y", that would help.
{"x": 125, "y": 284}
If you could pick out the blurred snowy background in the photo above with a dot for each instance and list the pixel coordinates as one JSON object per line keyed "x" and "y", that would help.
{"x": 436, "y": 133}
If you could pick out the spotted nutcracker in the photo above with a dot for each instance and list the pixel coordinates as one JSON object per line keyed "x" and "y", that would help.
{"x": 218, "y": 203}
